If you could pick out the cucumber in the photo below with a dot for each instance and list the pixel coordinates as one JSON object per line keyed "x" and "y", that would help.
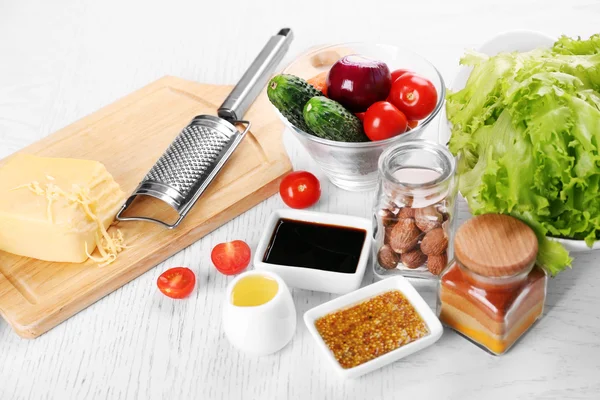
{"x": 289, "y": 94}
{"x": 328, "y": 119}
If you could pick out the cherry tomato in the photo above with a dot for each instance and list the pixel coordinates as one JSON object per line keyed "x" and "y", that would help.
{"x": 383, "y": 121}
{"x": 177, "y": 282}
{"x": 414, "y": 95}
{"x": 412, "y": 124}
{"x": 360, "y": 116}
{"x": 300, "y": 189}
{"x": 398, "y": 73}
{"x": 232, "y": 257}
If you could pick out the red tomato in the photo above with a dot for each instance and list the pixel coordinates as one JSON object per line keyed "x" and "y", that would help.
{"x": 413, "y": 124}
{"x": 398, "y": 73}
{"x": 300, "y": 189}
{"x": 383, "y": 121}
{"x": 415, "y": 96}
{"x": 360, "y": 116}
{"x": 176, "y": 283}
{"x": 232, "y": 257}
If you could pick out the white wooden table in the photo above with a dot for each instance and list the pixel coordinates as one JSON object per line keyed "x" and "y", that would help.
{"x": 62, "y": 60}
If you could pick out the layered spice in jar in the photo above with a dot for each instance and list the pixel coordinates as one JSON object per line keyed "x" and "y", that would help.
{"x": 492, "y": 292}
{"x": 414, "y": 210}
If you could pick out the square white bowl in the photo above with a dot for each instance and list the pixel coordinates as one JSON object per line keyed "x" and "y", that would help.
{"x": 396, "y": 283}
{"x": 310, "y": 278}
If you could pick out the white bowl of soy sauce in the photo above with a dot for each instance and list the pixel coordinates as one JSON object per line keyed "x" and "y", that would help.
{"x": 316, "y": 251}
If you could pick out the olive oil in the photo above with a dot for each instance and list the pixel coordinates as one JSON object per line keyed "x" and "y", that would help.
{"x": 254, "y": 290}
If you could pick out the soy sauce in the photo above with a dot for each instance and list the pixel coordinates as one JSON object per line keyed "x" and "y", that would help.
{"x": 317, "y": 246}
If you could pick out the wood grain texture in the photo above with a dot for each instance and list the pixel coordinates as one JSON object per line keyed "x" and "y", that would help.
{"x": 495, "y": 245}
{"x": 62, "y": 62}
{"x": 128, "y": 137}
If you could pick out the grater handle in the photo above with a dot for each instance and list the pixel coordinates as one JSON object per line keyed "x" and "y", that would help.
{"x": 255, "y": 78}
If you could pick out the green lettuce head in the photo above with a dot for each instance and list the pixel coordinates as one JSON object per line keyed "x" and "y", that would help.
{"x": 526, "y": 130}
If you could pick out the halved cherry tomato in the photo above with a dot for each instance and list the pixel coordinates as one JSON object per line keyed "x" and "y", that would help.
{"x": 232, "y": 257}
{"x": 383, "y": 121}
{"x": 300, "y": 189}
{"x": 360, "y": 116}
{"x": 320, "y": 82}
{"x": 412, "y": 124}
{"x": 414, "y": 95}
{"x": 398, "y": 73}
{"x": 177, "y": 282}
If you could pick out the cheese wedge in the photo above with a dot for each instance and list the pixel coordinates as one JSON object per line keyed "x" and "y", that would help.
{"x": 58, "y": 209}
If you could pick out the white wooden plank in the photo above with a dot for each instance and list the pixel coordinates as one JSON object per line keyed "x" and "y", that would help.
{"x": 61, "y": 61}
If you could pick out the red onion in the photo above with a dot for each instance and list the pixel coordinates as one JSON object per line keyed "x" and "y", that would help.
{"x": 356, "y": 82}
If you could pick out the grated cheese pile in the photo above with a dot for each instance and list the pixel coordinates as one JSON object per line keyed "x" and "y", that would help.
{"x": 108, "y": 245}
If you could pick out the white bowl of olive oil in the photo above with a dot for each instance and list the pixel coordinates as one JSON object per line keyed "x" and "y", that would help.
{"x": 259, "y": 316}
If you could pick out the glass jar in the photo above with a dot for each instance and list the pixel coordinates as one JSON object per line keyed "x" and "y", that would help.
{"x": 414, "y": 210}
{"x": 492, "y": 292}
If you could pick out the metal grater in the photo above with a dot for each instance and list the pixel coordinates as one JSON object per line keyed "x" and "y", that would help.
{"x": 196, "y": 156}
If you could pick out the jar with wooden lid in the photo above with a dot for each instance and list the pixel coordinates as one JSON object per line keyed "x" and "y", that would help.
{"x": 414, "y": 210}
{"x": 492, "y": 292}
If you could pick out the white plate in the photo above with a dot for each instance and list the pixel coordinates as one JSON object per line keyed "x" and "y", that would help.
{"x": 577, "y": 246}
{"x": 309, "y": 278}
{"x": 521, "y": 40}
{"x": 396, "y": 283}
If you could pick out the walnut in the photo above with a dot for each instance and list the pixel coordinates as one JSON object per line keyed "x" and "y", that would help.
{"x": 436, "y": 264}
{"x": 435, "y": 242}
{"x": 387, "y": 217}
{"x": 387, "y": 234}
{"x": 387, "y": 258}
{"x": 413, "y": 259}
{"x": 428, "y": 218}
{"x": 406, "y": 212}
{"x": 404, "y": 236}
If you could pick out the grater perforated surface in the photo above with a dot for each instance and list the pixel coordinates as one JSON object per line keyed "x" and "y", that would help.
{"x": 189, "y": 158}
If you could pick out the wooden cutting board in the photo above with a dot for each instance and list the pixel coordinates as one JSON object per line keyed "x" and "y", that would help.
{"x": 128, "y": 137}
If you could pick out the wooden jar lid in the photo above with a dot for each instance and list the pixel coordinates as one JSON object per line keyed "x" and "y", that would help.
{"x": 495, "y": 245}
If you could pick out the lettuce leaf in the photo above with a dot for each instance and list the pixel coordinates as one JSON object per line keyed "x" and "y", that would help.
{"x": 526, "y": 130}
